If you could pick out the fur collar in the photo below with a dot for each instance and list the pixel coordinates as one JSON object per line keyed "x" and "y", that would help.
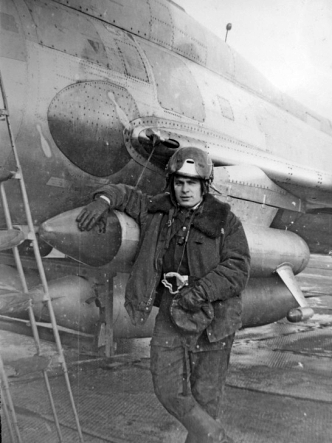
{"x": 210, "y": 220}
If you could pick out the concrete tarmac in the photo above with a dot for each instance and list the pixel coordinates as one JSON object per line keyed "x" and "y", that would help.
{"x": 279, "y": 386}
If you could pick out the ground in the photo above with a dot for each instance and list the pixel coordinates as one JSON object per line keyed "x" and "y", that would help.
{"x": 279, "y": 387}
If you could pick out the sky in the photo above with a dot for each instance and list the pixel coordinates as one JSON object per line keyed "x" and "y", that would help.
{"x": 289, "y": 41}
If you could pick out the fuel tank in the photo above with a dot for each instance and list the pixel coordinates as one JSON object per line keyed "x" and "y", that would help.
{"x": 270, "y": 248}
{"x": 264, "y": 301}
{"x": 73, "y": 303}
{"x": 72, "y": 299}
{"x": 93, "y": 248}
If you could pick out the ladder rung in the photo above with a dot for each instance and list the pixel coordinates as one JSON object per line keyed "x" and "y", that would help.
{"x": 10, "y": 238}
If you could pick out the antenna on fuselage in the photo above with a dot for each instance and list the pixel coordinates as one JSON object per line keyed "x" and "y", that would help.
{"x": 228, "y": 28}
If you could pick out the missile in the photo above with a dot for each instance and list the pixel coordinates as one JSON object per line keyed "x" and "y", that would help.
{"x": 94, "y": 248}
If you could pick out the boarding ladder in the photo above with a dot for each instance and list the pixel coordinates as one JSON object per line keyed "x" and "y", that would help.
{"x": 16, "y": 239}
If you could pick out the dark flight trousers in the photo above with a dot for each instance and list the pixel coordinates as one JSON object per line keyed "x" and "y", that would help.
{"x": 188, "y": 375}
{"x": 203, "y": 373}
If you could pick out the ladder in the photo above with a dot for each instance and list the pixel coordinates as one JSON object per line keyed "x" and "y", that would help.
{"x": 12, "y": 237}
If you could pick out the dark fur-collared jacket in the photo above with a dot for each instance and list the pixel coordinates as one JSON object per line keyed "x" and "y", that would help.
{"x": 217, "y": 249}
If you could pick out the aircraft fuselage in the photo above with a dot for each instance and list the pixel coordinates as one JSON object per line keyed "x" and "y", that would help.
{"x": 91, "y": 84}
{"x": 77, "y": 75}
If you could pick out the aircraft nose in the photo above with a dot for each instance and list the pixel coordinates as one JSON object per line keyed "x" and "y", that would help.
{"x": 87, "y": 120}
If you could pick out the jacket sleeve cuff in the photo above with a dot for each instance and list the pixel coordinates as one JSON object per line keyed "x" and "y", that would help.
{"x": 192, "y": 280}
{"x": 102, "y": 196}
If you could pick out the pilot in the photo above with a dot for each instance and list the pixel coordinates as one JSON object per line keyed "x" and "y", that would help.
{"x": 193, "y": 262}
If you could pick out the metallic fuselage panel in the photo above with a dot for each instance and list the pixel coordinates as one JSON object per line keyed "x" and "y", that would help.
{"x": 151, "y": 63}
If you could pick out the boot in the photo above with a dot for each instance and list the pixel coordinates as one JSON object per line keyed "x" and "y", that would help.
{"x": 203, "y": 428}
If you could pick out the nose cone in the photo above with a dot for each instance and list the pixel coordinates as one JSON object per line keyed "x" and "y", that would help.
{"x": 89, "y": 247}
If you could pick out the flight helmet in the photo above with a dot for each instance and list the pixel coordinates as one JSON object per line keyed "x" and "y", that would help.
{"x": 191, "y": 162}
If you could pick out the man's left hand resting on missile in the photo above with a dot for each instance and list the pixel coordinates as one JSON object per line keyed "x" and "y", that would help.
{"x": 94, "y": 213}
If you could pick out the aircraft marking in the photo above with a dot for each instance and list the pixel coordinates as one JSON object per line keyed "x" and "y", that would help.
{"x": 44, "y": 144}
{"x": 121, "y": 114}
{"x": 59, "y": 182}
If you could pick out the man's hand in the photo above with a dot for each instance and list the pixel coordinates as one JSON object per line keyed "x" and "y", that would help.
{"x": 92, "y": 214}
{"x": 190, "y": 299}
